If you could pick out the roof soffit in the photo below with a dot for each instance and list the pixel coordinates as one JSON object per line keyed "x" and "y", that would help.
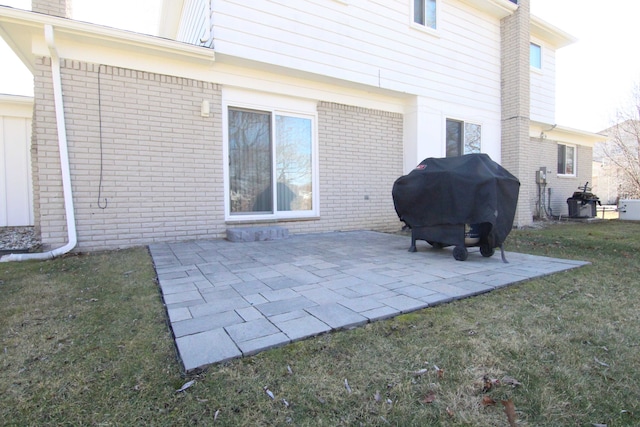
{"x": 564, "y": 134}
{"x": 549, "y": 33}
{"x": 24, "y": 32}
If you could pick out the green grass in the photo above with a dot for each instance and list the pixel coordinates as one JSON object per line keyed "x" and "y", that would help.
{"x": 84, "y": 341}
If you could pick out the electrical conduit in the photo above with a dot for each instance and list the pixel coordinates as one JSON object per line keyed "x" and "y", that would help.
{"x": 64, "y": 161}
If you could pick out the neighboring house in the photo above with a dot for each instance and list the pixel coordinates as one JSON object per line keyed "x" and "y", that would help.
{"x": 617, "y": 174}
{"x": 16, "y": 197}
{"x": 296, "y": 113}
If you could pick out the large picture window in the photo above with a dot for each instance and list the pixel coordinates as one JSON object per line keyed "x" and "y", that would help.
{"x": 566, "y": 160}
{"x": 462, "y": 138}
{"x": 270, "y": 163}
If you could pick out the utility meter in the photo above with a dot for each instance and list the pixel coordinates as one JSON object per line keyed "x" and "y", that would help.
{"x": 541, "y": 175}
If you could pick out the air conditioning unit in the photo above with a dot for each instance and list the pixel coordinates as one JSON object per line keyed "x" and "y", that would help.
{"x": 629, "y": 209}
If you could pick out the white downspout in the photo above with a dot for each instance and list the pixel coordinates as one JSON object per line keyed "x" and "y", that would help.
{"x": 64, "y": 161}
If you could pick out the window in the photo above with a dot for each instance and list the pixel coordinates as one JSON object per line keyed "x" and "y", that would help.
{"x": 267, "y": 147}
{"x": 566, "y": 160}
{"x": 535, "y": 55}
{"x": 462, "y": 138}
{"x": 424, "y": 13}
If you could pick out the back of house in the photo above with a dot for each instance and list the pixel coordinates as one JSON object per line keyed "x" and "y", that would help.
{"x": 300, "y": 113}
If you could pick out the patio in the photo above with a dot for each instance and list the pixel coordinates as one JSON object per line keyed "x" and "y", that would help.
{"x": 227, "y": 300}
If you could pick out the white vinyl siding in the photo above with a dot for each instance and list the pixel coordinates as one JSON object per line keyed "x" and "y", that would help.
{"x": 543, "y": 86}
{"x": 370, "y": 44}
{"x": 16, "y": 196}
{"x": 194, "y": 22}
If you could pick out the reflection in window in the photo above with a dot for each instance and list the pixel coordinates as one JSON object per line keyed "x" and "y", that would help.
{"x": 566, "y": 160}
{"x": 462, "y": 138}
{"x": 424, "y": 13}
{"x": 535, "y": 55}
{"x": 255, "y": 162}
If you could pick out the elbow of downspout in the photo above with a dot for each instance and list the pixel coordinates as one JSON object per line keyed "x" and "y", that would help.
{"x": 64, "y": 162}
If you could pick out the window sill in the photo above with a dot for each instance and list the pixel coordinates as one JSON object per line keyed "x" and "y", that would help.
{"x": 424, "y": 29}
{"x": 565, "y": 176}
{"x": 536, "y": 70}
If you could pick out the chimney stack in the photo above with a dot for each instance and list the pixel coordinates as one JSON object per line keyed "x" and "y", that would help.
{"x": 60, "y": 8}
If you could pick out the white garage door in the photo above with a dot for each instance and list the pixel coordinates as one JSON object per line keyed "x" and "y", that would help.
{"x": 16, "y": 197}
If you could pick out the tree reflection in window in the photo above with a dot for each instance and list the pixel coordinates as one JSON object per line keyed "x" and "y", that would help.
{"x": 252, "y": 166}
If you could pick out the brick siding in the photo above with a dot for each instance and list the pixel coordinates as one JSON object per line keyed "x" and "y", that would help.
{"x": 161, "y": 162}
{"x": 61, "y": 8}
{"x": 517, "y": 151}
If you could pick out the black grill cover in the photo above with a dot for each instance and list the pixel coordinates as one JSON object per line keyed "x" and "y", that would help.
{"x": 469, "y": 189}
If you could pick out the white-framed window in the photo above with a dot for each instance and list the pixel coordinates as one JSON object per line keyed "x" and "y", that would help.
{"x": 566, "y": 160}
{"x": 535, "y": 56}
{"x": 271, "y": 162}
{"x": 425, "y": 13}
{"x": 462, "y": 138}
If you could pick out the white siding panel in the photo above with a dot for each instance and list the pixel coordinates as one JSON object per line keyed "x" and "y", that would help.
{"x": 543, "y": 88}
{"x": 16, "y": 208}
{"x": 371, "y": 43}
{"x": 194, "y": 22}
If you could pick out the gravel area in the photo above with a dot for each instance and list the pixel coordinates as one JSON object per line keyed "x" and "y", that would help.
{"x": 19, "y": 239}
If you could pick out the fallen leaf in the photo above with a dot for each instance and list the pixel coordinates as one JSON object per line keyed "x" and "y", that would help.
{"x": 377, "y": 396}
{"x": 487, "y": 401}
{"x": 289, "y": 370}
{"x": 439, "y": 372}
{"x": 420, "y": 372}
{"x": 285, "y": 403}
{"x": 430, "y": 397}
{"x": 510, "y": 410}
{"x": 186, "y": 386}
{"x": 600, "y": 363}
{"x": 346, "y": 385}
{"x": 599, "y": 425}
{"x": 489, "y": 383}
{"x": 269, "y": 393}
{"x": 450, "y": 412}
{"x": 511, "y": 381}
{"x": 215, "y": 416}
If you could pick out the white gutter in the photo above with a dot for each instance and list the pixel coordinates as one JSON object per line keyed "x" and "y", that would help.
{"x": 64, "y": 161}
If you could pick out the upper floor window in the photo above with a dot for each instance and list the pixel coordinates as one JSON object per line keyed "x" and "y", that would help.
{"x": 462, "y": 138}
{"x": 535, "y": 55}
{"x": 566, "y": 160}
{"x": 425, "y": 12}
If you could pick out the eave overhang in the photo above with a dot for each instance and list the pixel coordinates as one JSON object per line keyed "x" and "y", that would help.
{"x": 564, "y": 134}
{"x": 24, "y": 33}
{"x": 550, "y": 34}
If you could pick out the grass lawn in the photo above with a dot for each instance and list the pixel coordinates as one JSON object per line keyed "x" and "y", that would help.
{"x": 84, "y": 341}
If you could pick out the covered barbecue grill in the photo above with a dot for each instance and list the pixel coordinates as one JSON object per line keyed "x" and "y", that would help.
{"x": 442, "y": 199}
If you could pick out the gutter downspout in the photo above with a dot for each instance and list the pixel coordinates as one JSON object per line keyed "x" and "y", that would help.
{"x": 64, "y": 161}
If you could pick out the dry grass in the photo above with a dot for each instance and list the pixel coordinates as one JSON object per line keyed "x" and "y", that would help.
{"x": 85, "y": 343}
